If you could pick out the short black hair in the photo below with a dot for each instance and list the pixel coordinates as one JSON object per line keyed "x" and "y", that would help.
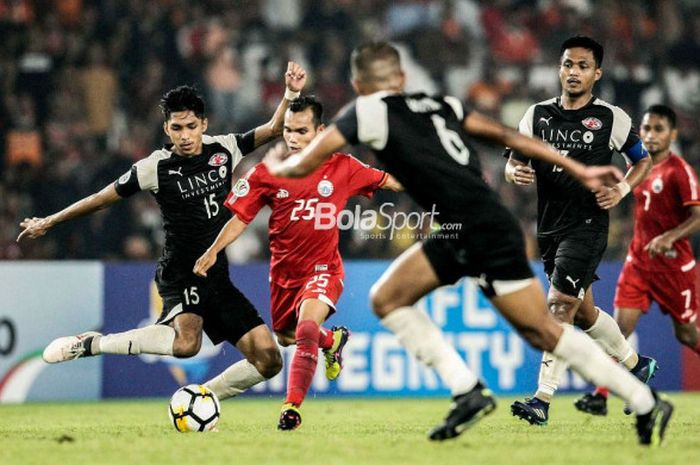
{"x": 364, "y": 56}
{"x": 182, "y": 98}
{"x": 308, "y": 101}
{"x": 587, "y": 43}
{"x": 663, "y": 111}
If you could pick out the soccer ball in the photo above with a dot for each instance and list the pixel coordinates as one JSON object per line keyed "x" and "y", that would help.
{"x": 194, "y": 408}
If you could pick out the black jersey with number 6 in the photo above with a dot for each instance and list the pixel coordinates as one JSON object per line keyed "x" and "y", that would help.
{"x": 589, "y": 135}
{"x": 190, "y": 192}
{"x": 421, "y": 141}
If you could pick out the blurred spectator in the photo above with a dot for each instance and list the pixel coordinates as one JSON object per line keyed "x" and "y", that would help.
{"x": 80, "y": 82}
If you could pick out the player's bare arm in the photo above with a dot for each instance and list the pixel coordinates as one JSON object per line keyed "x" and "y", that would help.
{"x": 608, "y": 197}
{"x": 294, "y": 80}
{"x": 37, "y": 227}
{"x": 664, "y": 242}
{"x": 391, "y": 184}
{"x": 228, "y": 234}
{"x": 517, "y": 172}
{"x": 305, "y": 162}
{"x": 593, "y": 177}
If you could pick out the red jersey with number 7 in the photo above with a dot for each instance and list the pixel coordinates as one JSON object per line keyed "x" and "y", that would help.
{"x": 662, "y": 202}
{"x": 303, "y": 224}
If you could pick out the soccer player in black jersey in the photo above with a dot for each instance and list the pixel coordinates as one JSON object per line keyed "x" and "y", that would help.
{"x": 572, "y": 229}
{"x": 190, "y": 179}
{"x": 423, "y": 141}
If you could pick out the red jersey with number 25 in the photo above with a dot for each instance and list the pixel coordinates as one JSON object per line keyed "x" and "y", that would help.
{"x": 302, "y": 226}
{"x": 661, "y": 204}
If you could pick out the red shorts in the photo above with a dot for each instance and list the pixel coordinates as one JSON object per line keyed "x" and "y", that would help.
{"x": 674, "y": 291}
{"x": 285, "y": 302}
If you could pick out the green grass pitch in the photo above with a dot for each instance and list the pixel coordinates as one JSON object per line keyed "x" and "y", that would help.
{"x": 335, "y": 431}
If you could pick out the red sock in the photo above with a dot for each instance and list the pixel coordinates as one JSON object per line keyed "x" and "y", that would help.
{"x": 304, "y": 362}
{"x": 602, "y": 391}
{"x": 325, "y": 338}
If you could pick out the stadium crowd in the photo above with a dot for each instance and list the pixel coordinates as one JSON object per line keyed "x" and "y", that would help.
{"x": 80, "y": 81}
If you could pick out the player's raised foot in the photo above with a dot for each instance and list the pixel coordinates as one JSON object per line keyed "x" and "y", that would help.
{"x": 534, "y": 411}
{"x": 652, "y": 426}
{"x": 334, "y": 355}
{"x": 644, "y": 371}
{"x": 465, "y": 411}
{"x": 593, "y": 403}
{"x": 290, "y": 418}
{"x": 69, "y": 347}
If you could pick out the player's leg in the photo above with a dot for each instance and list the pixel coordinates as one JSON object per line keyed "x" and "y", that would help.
{"x": 262, "y": 361}
{"x": 525, "y": 310}
{"x": 233, "y": 318}
{"x": 411, "y": 276}
{"x": 676, "y": 294}
{"x": 178, "y": 333}
{"x": 312, "y": 313}
{"x": 570, "y": 262}
{"x": 687, "y": 334}
{"x": 631, "y": 296}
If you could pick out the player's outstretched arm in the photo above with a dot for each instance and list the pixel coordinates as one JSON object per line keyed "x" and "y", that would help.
{"x": 294, "y": 80}
{"x": 37, "y": 227}
{"x": 593, "y": 177}
{"x": 517, "y": 172}
{"x": 305, "y": 162}
{"x": 229, "y": 233}
{"x": 664, "y": 242}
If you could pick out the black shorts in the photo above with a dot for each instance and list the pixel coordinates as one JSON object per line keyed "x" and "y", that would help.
{"x": 492, "y": 251}
{"x": 571, "y": 259}
{"x": 227, "y": 313}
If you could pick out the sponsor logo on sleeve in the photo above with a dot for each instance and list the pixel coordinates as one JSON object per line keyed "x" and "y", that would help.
{"x": 241, "y": 188}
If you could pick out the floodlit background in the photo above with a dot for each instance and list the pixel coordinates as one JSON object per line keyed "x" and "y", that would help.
{"x": 80, "y": 82}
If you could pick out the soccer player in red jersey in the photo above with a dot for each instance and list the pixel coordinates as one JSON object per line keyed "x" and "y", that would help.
{"x": 306, "y": 270}
{"x": 660, "y": 265}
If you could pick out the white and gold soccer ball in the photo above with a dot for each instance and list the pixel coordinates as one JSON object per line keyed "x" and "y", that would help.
{"x": 194, "y": 408}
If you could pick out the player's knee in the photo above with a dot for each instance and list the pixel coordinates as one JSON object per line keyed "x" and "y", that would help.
{"x": 186, "y": 346}
{"x": 562, "y": 310}
{"x": 380, "y": 300}
{"x": 268, "y": 362}
{"x": 687, "y": 338}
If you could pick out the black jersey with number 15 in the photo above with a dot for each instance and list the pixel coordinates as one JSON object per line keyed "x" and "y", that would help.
{"x": 190, "y": 192}
{"x": 421, "y": 141}
{"x": 589, "y": 135}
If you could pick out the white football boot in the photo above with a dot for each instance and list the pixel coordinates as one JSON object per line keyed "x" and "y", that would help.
{"x": 69, "y": 347}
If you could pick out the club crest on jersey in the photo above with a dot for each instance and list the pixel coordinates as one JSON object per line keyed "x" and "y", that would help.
{"x": 124, "y": 178}
{"x": 241, "y": 188}
{"x": 218, "y": 159}
{"x": 592, "y": 123}
{"x": 657, "y": 185}
{"x": 325, "y": 188}
{"x": 282, "y": 194}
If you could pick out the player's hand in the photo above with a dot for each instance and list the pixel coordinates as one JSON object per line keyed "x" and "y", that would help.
{"x": 608, "y": 197}
{"x": 34, "y": 227}
{"x": 295, "y": 77}
{"x": 204, "y": 262}
{"x": 597, "y": 177}
{"x": 275, "y": 156}
{"x": 660, "y": 245}
{"x": 523, "y": 175}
